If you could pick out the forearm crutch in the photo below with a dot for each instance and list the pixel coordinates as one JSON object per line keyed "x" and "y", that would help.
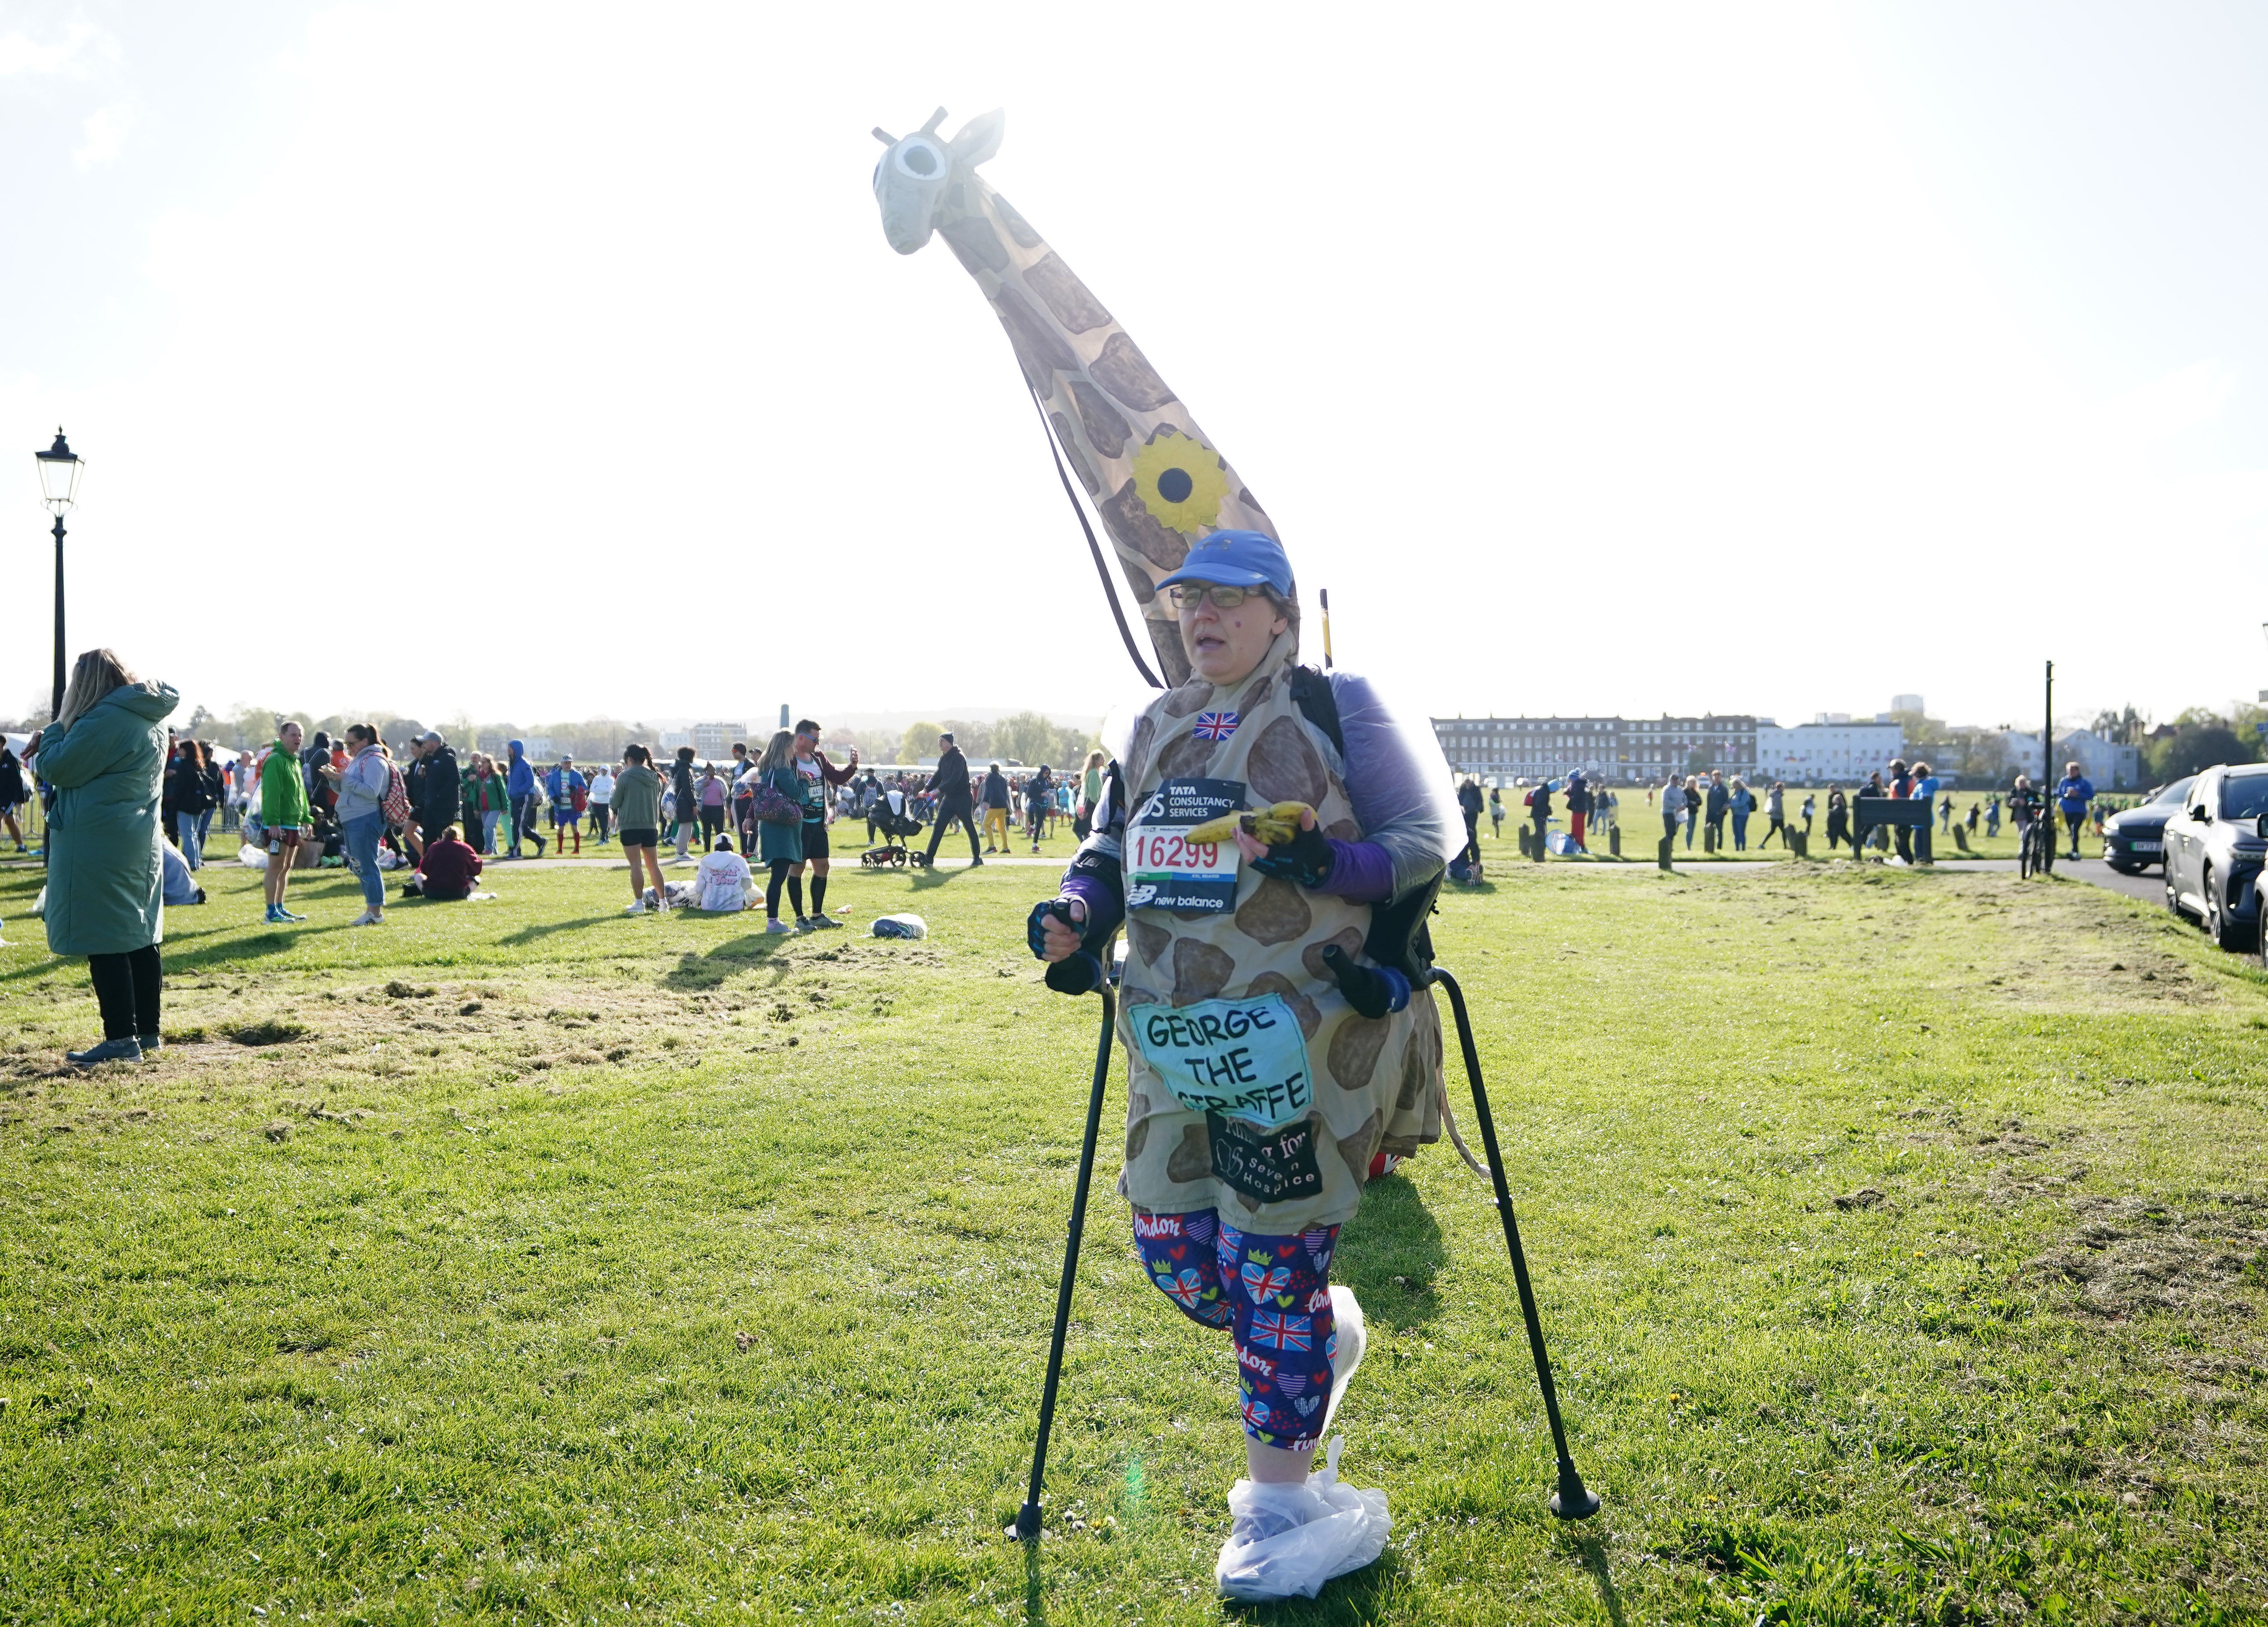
{"x": 1027, "y": 1517}
{"x": 1572, "y": 1500}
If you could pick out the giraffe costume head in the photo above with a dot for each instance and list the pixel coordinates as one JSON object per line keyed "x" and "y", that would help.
{"x": 1155, "y": 479}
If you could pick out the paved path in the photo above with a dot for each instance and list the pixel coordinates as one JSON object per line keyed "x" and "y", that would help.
{"x": 2149, "y": 886}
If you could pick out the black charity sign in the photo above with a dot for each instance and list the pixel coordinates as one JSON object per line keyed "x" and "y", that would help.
{"x": 1267, "y": 1166}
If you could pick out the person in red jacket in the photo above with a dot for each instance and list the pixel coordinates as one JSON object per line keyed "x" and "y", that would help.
{"x": 449, "y": 868}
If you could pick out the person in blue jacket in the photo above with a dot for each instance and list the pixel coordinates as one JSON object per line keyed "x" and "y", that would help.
{"x": 519, "y": 785}
{"x": 2073, "y": 791}
{"x": 560, "y": 785}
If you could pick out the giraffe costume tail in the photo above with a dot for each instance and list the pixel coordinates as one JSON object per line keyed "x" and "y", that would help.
{"x": 1155, "y": 479}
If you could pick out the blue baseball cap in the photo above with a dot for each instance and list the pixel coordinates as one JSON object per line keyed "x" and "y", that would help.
{"x": 1237, "y": 559}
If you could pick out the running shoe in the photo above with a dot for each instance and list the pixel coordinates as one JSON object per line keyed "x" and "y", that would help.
{"x": 820, "y": 923}
{"x": 637, "y": 907}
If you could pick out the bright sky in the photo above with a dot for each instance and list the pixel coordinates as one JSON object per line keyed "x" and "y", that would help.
{"x": 544, "y": 360}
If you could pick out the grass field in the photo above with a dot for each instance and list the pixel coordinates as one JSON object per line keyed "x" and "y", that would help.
{"x": 1903, "y": 1239}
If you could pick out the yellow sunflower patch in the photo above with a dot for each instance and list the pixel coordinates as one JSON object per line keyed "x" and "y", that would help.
{"x": 1180, "y": 481}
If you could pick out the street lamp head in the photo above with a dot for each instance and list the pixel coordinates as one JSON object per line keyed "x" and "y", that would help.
{"x": 59, "y": 471}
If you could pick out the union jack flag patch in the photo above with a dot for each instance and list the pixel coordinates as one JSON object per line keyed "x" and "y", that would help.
{"x": 1214, "y": 725}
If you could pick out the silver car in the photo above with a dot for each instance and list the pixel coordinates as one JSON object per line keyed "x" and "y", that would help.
{"x": 2214, "y": 850}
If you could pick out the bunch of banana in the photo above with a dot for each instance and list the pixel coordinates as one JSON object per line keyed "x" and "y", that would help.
{"x": 1274, "y": 825}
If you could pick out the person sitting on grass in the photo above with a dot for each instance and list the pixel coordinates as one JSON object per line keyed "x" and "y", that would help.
{"x": 449, "y": 868}
{"x": 721, "y": 881}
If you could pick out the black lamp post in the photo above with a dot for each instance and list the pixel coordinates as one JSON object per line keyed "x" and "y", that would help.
{"x": 59, "y": 471}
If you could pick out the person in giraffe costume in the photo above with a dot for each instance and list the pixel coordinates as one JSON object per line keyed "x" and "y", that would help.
{"x": 1261, "y": 1101}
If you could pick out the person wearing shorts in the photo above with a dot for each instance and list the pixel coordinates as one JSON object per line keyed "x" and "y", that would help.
{"x": 285, "y": 814}
{"x": 816, "y": 774}
{"x": 561, "y": 787}
{"x": 638, "y": 813}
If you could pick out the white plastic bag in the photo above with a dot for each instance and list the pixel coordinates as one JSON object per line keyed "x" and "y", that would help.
{"x": 252, "y": 857}
{"x": 39, "y": 905}
{"x": 1342, "y": 1530}
{"x": 901, "y": 926}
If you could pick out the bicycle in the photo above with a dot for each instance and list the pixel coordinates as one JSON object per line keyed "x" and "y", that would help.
{"x": 2035, "y": 853}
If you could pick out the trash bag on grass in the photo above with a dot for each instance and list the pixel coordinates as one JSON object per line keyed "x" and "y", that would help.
{"x": 901, "y": 926}
{"x": 252, "y": 857}
{"x": 1340, "y": 1529}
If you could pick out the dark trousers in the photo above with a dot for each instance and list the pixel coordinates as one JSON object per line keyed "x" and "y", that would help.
{"x": 945, "y": 820}
{"x": 128, "y": 988}
{"x": 524, "y": 808}
{"x": 1472, "y": 837}
{"x": 599, "y": 814}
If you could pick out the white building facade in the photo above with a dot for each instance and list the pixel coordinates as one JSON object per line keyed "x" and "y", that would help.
{"x": 2112, "y": 767}
{"x": 1622, "y": 749}
{"x": 1826, "y": 753}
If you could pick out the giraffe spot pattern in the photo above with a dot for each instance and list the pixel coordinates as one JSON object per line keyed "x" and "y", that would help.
{"x": 1038, "y": 346}
{"x": 1184, "y": 754}
{"x": 1190, "y": 696}
{"x": 1018, "y": 228}
{"x": 1137, "y": 1125}
{"x": 1105, "y": 427}
{"x": 1357, "y": 1149}
{"x": 1123, "y": 370}
{"x": 1152, "y": 942}
{"x": 1134, "y": 526}
{"x": 1075, "y": 454}
{"x": 976, "y": 244}
{"x": 1066, "y": 294}
{"x": 1302, "y": 1008}
{"x": 1353, "y": 1054}
{"x": 1192, "y": 1160}
{"x": 1200, "y": 971}
{"x": 1284, "y": 767}
{"x": 1137, "y": 749}
{"x": 1343, "y": 830}
{"x": 1276, "y": 913}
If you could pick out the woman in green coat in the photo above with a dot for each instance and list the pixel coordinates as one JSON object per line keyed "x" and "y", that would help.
{"x": 105, "y": 754}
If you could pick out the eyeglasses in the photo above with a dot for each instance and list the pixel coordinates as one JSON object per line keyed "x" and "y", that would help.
{"x": 1189, "y": 597}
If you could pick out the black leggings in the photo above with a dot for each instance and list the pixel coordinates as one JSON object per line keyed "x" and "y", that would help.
{"x": 126, "y": 987}
{"x": 780, "y": 867}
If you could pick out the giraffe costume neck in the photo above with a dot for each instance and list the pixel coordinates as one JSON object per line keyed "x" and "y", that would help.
{"x": 1156, "y": 480}
{"x": 1272, "y": 1152}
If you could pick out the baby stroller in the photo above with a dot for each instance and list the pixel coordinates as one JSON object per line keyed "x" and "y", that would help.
{"x": 898, "y": 830}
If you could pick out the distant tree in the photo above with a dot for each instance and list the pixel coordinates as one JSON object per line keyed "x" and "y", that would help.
{"x": 200, "y": 720}
{"x": 2124, "y": 727}
{"x": 920, "y": 740}
{"x": 2197, "y": 747}
{"x": 1028, "y": 737}
{"x": 974, "y": 739}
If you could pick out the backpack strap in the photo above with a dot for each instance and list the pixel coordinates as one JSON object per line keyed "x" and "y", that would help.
{"x": 1398, "y": 935}
{"x": 1311, "y": 693}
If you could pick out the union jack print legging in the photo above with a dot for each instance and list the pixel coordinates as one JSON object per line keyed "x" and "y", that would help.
{"x": 1273, "y": 1294}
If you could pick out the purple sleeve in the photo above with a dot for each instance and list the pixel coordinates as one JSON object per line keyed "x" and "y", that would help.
{"x": 1106, "y": 903}
{"x": 1362, "y": 872}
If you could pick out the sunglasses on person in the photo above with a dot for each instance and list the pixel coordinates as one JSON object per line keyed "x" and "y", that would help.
{"x": 1189, "y": 596}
